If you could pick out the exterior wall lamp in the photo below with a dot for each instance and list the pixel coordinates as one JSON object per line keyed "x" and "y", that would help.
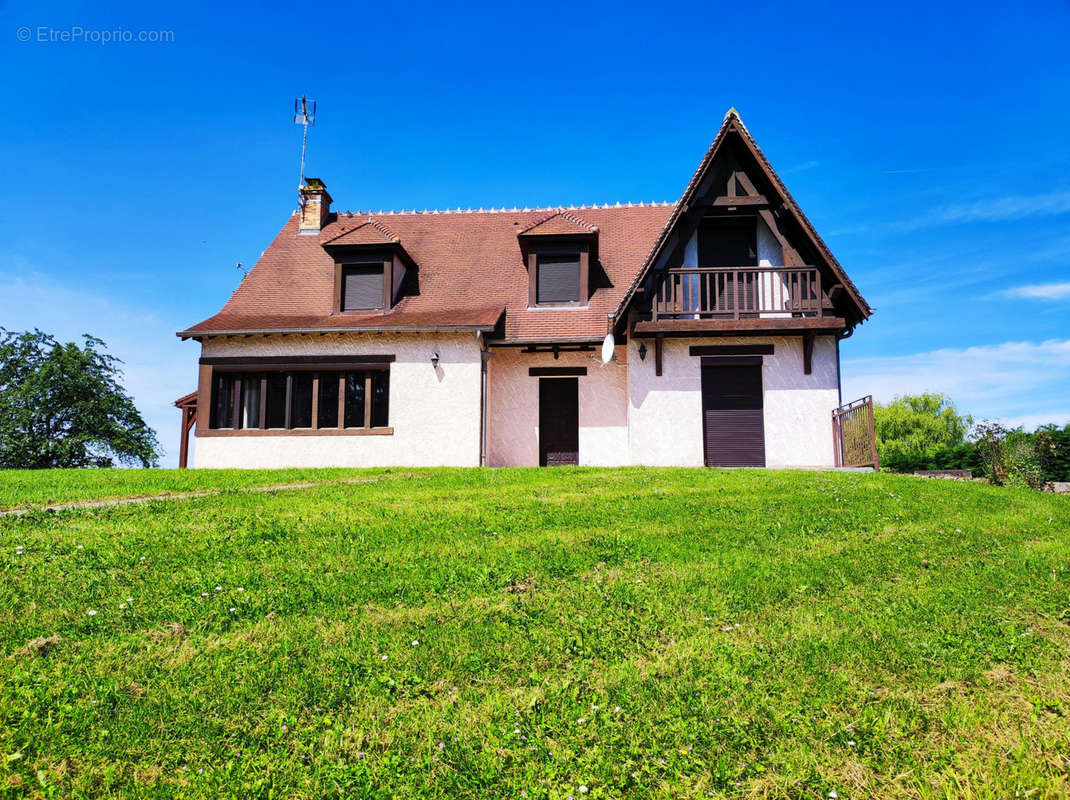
{"x": 434, "y": 360}
{"x": 642, "y": 351}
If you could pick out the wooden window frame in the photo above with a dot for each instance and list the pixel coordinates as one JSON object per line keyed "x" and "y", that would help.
{"x": 235, "y": 370}
{"x": 583, "y": 249}
{"x": 370, "y": 259}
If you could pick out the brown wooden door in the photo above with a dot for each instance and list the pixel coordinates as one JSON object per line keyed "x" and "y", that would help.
{"x": 559, "y": 421}
{"x": 732, "y": 426}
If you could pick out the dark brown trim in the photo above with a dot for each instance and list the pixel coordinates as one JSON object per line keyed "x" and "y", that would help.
{"x": 659, "y": 342}
{"x": 296, "y": 432}
{"x": 740, "y": 327}
{"x": 556, "y": 372}
{"x": 808, "y": 352}
{"x": 731, "y": 350}
{"x": 280, "y": 363}
{"x": 715, "y": 361}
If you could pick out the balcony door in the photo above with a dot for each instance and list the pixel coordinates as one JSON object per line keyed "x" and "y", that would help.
{"x": 559, "y": 422}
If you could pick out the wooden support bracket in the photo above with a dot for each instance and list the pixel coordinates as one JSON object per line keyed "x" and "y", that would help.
{"x": 659, "y": 341}
{"x": 808, "y": 353}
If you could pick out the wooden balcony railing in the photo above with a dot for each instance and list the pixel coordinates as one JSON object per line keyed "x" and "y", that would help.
{"x": 738, "y": 292}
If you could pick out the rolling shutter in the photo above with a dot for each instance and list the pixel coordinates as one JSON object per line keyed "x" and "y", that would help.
{"x": 558, "y": 278}
{"x": 362, "y": 286}
{"x": 732, "y": 418}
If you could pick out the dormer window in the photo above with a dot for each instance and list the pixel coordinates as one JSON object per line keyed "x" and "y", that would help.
{"x": 363, "y": 287}
{"x": 371, "y": 269}
{"x": 558, "y": 249}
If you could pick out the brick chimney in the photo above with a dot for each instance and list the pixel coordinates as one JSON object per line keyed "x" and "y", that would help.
{"x": 315, "y": 205}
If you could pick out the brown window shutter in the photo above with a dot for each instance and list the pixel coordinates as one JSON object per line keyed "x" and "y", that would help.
{"x": 558, "y": 278}
{"x": 362, "y": 287}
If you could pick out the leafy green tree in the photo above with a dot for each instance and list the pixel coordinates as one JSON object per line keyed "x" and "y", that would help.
{"x": 913, "y": 429}
{"x": 62, "y": 405}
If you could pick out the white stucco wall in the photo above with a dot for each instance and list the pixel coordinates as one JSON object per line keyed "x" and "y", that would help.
{"x": 513, "y": 408}
{"x": 665, "y": 413}
{"x": 434, "y": 411}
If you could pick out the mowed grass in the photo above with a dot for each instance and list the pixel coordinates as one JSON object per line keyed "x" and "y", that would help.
{"x": 543, "y": 634}
{"x": 39, "y": 488}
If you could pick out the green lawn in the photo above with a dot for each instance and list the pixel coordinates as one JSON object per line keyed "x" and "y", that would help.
{"x": 538, "y": 634}
{"x": 38, "y": 488}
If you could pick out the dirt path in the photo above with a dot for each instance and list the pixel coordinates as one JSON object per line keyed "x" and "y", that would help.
{"x": 123, "y": 501}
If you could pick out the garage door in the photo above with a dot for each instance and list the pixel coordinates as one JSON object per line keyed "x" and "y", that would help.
{"x": 732, "y": 426}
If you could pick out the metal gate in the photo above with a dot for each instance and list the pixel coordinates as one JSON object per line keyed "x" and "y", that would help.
{"x": 853, "y": 434}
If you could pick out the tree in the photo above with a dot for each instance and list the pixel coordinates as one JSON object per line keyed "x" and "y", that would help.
{"x": 914, "y": 429}
{"x": 62, "y": 405}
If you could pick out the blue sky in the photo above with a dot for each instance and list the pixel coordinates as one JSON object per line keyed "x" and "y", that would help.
{"x": 927, "y": 142}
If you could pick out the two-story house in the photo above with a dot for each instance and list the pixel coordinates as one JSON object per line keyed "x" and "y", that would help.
{"x": 701, "y": 332}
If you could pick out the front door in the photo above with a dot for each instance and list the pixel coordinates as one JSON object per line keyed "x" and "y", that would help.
{"x": 559, "y": 421}
{"x": 732, "y": 426}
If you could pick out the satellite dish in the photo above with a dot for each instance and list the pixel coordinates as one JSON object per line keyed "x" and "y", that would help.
{"x": 607, "y": 349}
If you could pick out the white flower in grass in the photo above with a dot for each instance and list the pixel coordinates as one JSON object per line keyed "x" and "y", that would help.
{"x": 833, "y": 795}
{"x": 219, "y": 588}
{"x": 415, "y": 642}
{"x": 583, "y": 789}
{"x": 91, "y": 612}
{"x": 130, "y": 599}
{"x": 204, "y": 594}
{"x": 850, "y": 742}
{"x": 232, "y": 609}
{"x": 122, "y": 605}
{"x": 241, "y": 588}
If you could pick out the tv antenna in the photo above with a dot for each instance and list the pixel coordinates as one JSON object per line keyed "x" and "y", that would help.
{"x": 305, "y": 116}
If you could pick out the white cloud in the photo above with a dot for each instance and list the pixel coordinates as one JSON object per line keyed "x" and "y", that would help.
{"x": 994, "y": 209}
{"x": 157, "y": 367}
{"x": 998, "y": 209}
{"x": 1041, "y": 291}
{"x": 1017, "y": 382}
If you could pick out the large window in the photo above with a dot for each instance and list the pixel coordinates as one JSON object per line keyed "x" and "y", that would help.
{"x": 302, "y": 399}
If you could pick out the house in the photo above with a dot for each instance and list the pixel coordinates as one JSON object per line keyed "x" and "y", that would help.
{"x": 704, "y": 331}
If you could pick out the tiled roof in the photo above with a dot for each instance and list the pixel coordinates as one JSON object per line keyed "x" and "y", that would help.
{"x": 471, "y": 267}
{"x": 559, "y": 223}
{"x": 484, "y": 319}
{"x": 468, "y": 261}
{"x": 371, "y": 231}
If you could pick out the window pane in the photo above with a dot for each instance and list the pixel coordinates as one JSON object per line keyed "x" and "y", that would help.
{"x": 328, "y": 400}
{"x": 362, "y": 286}
{"x": 301, "y": 400}
{"x": 251, "y": 401}
{"x": 354, "y": 411}
{"x": 222, "y": 401}
{"x": 558, "y": 278}
{"x": 276, "y": 400}
{"x": 380, "y": 398}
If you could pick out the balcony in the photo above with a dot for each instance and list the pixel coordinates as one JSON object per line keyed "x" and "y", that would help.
{"x": 739, "y": 300}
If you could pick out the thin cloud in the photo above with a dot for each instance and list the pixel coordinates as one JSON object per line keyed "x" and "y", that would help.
{"x": 1041, "y": 291}
{"x": 800, "y": 167}
{"x": 1009, "y": 208}
{"x": 997, "y": 209}
{"x": 1008, "y": 381}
